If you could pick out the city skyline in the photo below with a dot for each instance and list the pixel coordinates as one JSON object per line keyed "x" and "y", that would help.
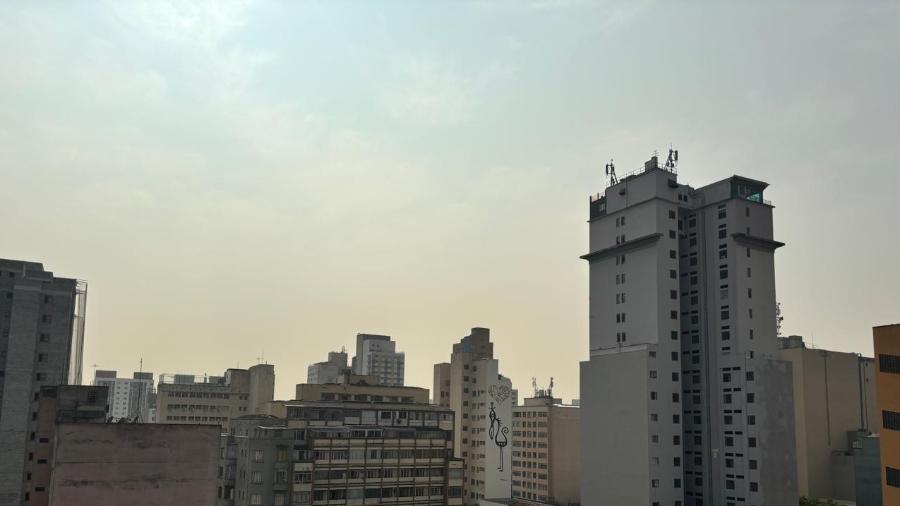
{"x": 271, "y": 197}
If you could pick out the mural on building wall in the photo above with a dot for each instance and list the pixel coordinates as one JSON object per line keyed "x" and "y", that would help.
{"x": 498, "y": 432}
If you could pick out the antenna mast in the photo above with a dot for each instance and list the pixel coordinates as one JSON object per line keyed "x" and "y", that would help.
{"x": 611, "y": 173}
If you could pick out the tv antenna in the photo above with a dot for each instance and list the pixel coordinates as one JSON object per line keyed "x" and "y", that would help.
{"x": 550, "y": 389}
{"x": 611, "y": 173}
{"x": 672, "y": 160}
{"x": 534, "y": 385}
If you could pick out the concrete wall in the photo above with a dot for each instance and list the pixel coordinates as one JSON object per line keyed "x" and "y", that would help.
{"x": 565, "y": 455}
{"x": 135, "y": 465}
{"x": 614, "y": 458}
{"x": 833, "y": 394}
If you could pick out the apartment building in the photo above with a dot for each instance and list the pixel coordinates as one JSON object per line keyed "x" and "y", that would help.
{"x": 834, "y": 398}
{"x": 189, "y": 399}
{"x": 328, "y": 371}
{"x": 683, "y": 385}
{"x": 379, "y": 445}
{"x": 129, "y": 398}
{"x": 546, "y": 452}
{"x": 377, "y": 355}
{"x": 482, "y": 400}
{"x": 887, "y": 353}
{"x": 41, "y": 338}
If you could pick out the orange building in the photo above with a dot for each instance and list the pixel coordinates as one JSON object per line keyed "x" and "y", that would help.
{"x": 887, "y": 354}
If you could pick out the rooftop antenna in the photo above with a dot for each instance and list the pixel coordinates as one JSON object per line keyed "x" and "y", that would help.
{"x": 550, "y": 390}
{"x": 611, "y": 172}
{"x": 672, "y": 160}
{"x": 534, "y": 385}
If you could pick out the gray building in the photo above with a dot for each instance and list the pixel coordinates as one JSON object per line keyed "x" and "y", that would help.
{"x": 41, "y": 337}
{"x": 377, "y": 355}
{"x": 330, "y": 370}
{"x": 683, "y": 399}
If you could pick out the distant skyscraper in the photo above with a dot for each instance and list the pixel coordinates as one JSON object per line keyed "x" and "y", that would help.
{"x": 683, "y": 399}
{"x": 887, "y": 354}
{"x": 328, "y": 371}
{"x": 41, "y": 336}
{"x": 482, "y": 400}
{"x": 129, "y": 398}
{"x": 377, "y": 356}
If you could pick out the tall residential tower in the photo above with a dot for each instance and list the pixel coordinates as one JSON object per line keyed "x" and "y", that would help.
{"x": 377, "y": 355}
{"x": 482, "y": 399}
{"x": 683, "y": 399}
{"x": 41, "y": 336}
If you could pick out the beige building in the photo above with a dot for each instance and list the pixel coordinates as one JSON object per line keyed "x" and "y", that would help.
{"x": 546, "y": 452}
{"x": 887, "y": 352}
{"x": 834, "y": 393}
{"x": 354, "y": 387}
{"x": 188, "y": 399}
{"x": 482, "y": 400}
{"x": 353, "y": 443}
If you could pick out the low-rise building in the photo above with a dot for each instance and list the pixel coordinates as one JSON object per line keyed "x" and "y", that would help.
{"x": 546, "y": 452}
{"x": 834, "y": 395}
{"x": 188, "y": 399}
{"x": 134, "y": 464}
{"x": 330, "y": 449}
{"x": 58, "y": 404}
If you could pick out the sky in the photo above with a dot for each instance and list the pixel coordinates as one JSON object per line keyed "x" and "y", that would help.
{"x": 259, "y": 181}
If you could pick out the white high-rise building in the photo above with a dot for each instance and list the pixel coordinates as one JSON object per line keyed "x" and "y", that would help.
{"x": 128, "y": 398}
{"x": 377, "y": 356}
{"x": 482, "y": 399}
{"x": 328, "y": 371}
{"x": 683, "y": 399}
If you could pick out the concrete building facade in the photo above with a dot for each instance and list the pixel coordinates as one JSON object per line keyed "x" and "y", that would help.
{"x": 344, "y": 451}
{"x": 546, "y": 452}
{"x": 41, "y": 339}
{"x": 187, "y": 399}
{"x": 377, "y": 355}
{"x": 834, "y": 396}
{"x": 129, "y": 398}
{"x": 328, "y": 371}
{"x": 482, "y": 400}
{"x": 134, "y": 464}
{"x": 59, "y": 404}
{"x": 683, "y": 385}
{"x": 887, "y": 354}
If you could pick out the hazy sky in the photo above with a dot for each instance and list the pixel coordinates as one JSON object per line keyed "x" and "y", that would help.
{"x": 238, "y": 180}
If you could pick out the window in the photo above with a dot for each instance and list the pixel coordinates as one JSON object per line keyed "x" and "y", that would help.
{"x": 671, "y": 214}
{"x": 749, "y": 375}
{"x": 255, "y": 499}
{"x": 751, "y": 419}
{"x": 673, "y": 294}
{"x": 889, "y": 363}
{"x": 674, "y": 335}
{"x": 751, "y": 397}
{"x": 749, "y": 293}
{"x": 673, "y": 274}
{"x": 673, "y": 254}
{"x": 751, "y": 442}
{"x": 674, "y": 316}
{"x": 671, "y": 234}
{"x": 258, "y": 456}
{"x": 754, "y": 487}
{"x": 890, "y": 420}
{"x": 748, "y": 272}
{"x": 892, "y": 476}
